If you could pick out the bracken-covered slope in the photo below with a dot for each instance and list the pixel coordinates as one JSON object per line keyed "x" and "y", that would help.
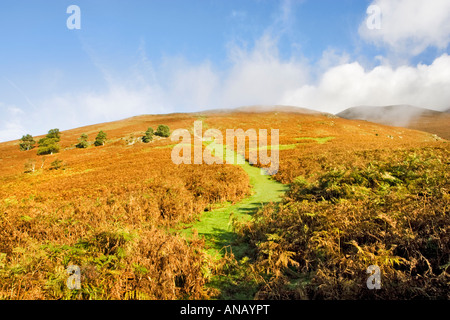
{"x": 108, "y": 209}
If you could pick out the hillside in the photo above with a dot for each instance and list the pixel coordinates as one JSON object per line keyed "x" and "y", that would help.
{"x": 263, "y": 109}
{"x": 407, "y": 116}
{"x": 294, "y": 124}
{"x": 120, "y": 211}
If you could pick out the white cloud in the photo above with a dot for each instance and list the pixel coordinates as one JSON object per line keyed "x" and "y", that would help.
{"x": 11, "y": 131}
{"x": 186, "y": 86}
{"x": 350, "y": 85}
{"x": 11, "y": 124}
{"x": 14, "y": 111}
{"x": 260, "y": 76}
{"x": 331, "y": 58}
{"x": 117, "y": 102}
{"x": 408, "y": 27}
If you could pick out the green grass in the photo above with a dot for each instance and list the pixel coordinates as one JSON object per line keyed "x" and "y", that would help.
{"x": 279, "y": 147}
{"x": 216, "y": 225}
{"x": 318, "y": 140}
{"x": 166, "y": 146}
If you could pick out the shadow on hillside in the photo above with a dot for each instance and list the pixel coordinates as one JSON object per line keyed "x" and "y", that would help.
{"x": 251, "y": 208}
{"x": 225, "y": 241}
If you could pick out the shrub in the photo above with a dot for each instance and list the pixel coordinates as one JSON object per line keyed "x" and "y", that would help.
{"x": 100, "y": 139}
{"x": 57, "y": 164}
{"x": 48, "y": 146}
{"x": 163, "y": 131}
{"x": 54, "y": 134}
{"x": 82, "y": 142}
{"x": 148, "y": 135}
{"x": 27, "y": 142}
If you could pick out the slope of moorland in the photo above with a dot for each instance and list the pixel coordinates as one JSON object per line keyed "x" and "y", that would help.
{"x": 106, "y": 210}
{"x": 407, "y": 116}
{"x": 360, "y": 194}
{"x": 118, "y": 212}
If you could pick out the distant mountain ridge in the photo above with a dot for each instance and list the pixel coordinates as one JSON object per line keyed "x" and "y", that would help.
{"x": 436, "y": 122}
{"x": 396, "y": 115}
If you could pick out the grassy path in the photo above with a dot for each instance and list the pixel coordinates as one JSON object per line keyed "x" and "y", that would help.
{"x": 215, "y": 225}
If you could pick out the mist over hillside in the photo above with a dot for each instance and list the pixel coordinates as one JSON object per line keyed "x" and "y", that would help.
{"x": 265, "y": 108}
{"x": 395, "y": 115}
{"x": 407, "y": 116}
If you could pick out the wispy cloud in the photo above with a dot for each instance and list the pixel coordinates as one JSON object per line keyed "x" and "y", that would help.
{"x": 20, "y": 91}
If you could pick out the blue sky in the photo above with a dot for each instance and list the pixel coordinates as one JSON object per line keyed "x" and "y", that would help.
{"x": 155, "y": 56}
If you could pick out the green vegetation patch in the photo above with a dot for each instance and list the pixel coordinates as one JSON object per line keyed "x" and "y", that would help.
{"x": 236, "y": 281}
{"x": 318, "y": 140}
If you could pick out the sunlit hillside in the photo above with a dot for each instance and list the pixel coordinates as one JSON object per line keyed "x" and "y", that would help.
{"x": 119, "y": 211}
